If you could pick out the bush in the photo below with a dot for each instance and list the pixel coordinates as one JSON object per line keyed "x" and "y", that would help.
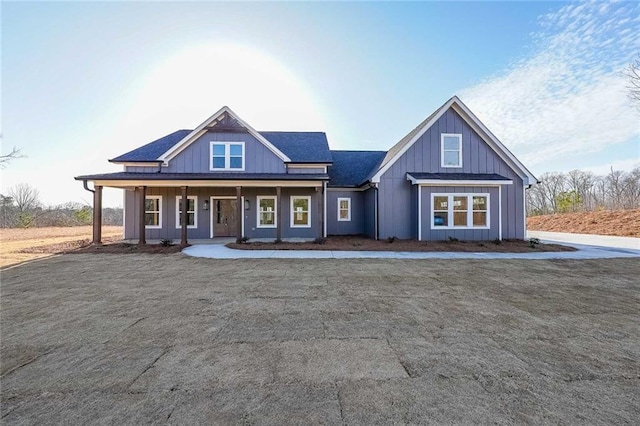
{"x": 453, "y": 239}
{"x": 497, "y": 241}
{"x": 533, "y": 242}
{"x": 165, "y": 242}
{"x": 391, "y": 239}
{"x": 320, "y": 241}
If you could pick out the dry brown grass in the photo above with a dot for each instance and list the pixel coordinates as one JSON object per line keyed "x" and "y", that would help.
{"x": 20, "y": 245}
{"x": 621, "y": 223}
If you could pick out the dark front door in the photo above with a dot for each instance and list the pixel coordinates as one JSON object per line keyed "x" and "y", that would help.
{"x": 224, "y": 217}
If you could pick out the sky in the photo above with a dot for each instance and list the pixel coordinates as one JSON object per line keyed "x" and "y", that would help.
{"x": 86, "y": 82}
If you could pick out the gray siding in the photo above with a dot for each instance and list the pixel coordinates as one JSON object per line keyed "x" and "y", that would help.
{"x": 369, "y": 212}
{"x": 424, "y": 156}
{"x": 203, "y": 230}
{"x": 353, "y": 227}
{"x": 304, "y": 170}
{"x": 195, "y": 158}
{"x": 141, "y": 169}
{"x": 461, "y": 234}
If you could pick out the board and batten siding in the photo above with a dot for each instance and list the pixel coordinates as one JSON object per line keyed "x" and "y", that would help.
{"x": 355, "y": 226}
{"x": 395, "y": 193}
{"x": 196, "y": 157}
{"x": 305, "y": 170}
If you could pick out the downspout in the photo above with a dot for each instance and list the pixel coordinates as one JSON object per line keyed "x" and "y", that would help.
{"x": 84, "y": 183}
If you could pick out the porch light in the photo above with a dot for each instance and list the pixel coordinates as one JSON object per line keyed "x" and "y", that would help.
{"x": 205, "y": 205}
{"x": 246, "y": 205}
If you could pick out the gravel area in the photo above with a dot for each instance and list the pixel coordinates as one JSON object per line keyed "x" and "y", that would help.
{"x": 166, "y": 338}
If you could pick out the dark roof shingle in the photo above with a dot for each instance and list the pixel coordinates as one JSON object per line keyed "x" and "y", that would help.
{"x": 353, "y": 168}
{"x": 300, "y": 147}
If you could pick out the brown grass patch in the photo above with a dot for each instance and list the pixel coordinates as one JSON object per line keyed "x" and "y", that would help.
{"x": 621, "y": 223}
{"x": 24, "y": 244}
{"x": 356, "y": 243}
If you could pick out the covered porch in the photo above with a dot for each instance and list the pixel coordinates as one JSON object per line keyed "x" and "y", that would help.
{"x": 213, "y": 207}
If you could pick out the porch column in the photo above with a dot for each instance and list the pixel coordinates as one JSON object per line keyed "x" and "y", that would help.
{"x": 141, "y": 225}
{"x": 239, "y": 213}
{"x": 183, "y": 224}
{"x": 278, "y": 214}
{"x": 97, "y": 215}
{"x": 320, "y": 212}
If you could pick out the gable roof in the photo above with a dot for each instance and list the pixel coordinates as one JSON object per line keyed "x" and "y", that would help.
{"x": 225, "y": 118}
{"x": 458, "y": 106}
{"x": 151, "y": 151}
{"x": 301, "y": 147}
{"x": 353, "y": 168}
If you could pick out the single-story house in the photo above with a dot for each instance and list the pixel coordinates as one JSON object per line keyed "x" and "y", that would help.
{"x": 448, "y": 177}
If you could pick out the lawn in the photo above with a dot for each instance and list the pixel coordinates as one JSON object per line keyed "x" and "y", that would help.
{"x": 24, "y": 244}
{"x": 156, "y": 338}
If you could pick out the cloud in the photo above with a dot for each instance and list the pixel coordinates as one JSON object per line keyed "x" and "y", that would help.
{"x": 569, "y": 96}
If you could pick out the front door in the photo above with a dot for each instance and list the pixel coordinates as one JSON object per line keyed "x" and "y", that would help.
{"x": 224, "y": 217}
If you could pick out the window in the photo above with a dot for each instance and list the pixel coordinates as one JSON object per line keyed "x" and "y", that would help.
{"x": 300, "y": 214}
{"x": 267, "y": 211}
{"x": 459, "y": 211}
{"x": 344, "y": 209}
{"x": 192, "y": 213}
{"x": 451, "y": 150}
{"x": 153, "y": 211}
{"x": 227, "y": 156}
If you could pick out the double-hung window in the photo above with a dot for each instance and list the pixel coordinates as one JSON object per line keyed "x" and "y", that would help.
{"x": 451, "y": 150}
{"x": 192, "y": 213}
{"x": 344, "y": 209}
{"x": 153, "y": 211}
{"x": 227, "y": 156}
{"x": 267, "y": 211}
{"x": 300, "y": 211}
{"x": 459, "y": 211}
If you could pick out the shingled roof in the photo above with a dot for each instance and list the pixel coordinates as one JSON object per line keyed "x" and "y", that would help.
{"x": 300, "y": 147}
{"x": 353, "y": 168}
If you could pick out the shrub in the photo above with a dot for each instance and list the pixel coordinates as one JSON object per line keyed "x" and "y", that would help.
{"x": 453, "y": 240}
{"x": 497, "y": 241}
{"x": 320, "y": 241}
{"x": 391, "y": 239}
{"x": 533, "y": 242}
{"x": 165, "y": 242}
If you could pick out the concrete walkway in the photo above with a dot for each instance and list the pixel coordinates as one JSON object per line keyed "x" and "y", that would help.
{"x": 220, "y": 251}
{"x": 586, "y": 239}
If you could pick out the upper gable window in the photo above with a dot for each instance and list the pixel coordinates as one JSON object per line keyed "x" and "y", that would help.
{"x": 227, "y": 156}
{"x": 451, "y": 150}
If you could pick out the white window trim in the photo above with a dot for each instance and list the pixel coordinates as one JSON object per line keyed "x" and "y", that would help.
{"x": 227, "y": 156}
{"x": 456, "y": 135}
{"x": 291, "y": 212}
{"x": 450, "y": 210}
{"x": 275, "y": 210}
{"x": 348, "y": 200}
{"x": 195, "y": 212}
{"x": 154, "y": 197}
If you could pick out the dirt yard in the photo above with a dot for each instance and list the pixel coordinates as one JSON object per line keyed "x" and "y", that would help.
{"x": 621, "y": 223}
{"x": 356, "y": 243}
{"x": 141, "y": 338}
{"x": 19, "y": 245}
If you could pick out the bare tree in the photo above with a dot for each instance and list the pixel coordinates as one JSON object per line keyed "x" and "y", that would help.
{"x": 632, "y": 72}
{"x": 25, "y": 197}
{"x": 5, "y": 159}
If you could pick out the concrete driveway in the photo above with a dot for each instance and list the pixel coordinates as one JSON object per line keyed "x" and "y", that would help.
{"x": 130, "y": 339}
{"x": 587, "y": 239}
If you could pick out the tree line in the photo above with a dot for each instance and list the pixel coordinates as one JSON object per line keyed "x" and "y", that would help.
{"x": 21, "y": 208}
{"x": 578, "y": 191}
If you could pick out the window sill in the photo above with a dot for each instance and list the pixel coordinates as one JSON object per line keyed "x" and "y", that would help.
{"x": 188, "y": 227}
{"x": 152, "y": 227}
{"x": 227, "y": 170}
{"x": 267, "y": 226}
{"x": 300, "y": 226}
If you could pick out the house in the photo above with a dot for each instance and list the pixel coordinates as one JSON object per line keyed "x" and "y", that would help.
{"x": 449, "y": 177}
